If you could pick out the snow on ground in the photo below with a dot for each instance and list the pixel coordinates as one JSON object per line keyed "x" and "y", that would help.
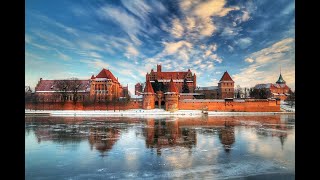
{"x": 286, "y": 107}
{"x": 142, "y": 112}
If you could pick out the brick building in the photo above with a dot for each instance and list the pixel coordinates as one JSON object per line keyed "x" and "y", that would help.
{"x": 99, "y": 87}
{"x": 138, "y": 88}
{"x": 179, "y": 78}
{"x": 225, "y": 89}
{"x": 278, "y": 89}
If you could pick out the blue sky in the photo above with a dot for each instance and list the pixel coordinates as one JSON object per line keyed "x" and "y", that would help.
{"x": 251, "y": 39}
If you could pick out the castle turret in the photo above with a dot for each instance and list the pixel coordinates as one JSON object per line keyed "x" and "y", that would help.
{"x": 172, "y": 97}
{"x": 148, "y": 96}
{"x": 280, "y": 80}
{"x": 226, "y": 86}
{"x": 159, "y": 68}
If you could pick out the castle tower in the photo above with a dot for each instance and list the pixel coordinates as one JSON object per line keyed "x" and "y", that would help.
{"x": 172, "y": 97}
{"x": 148, "y": 96}
{"x": 226, "y": 86}
{"x": 159, "y": 68}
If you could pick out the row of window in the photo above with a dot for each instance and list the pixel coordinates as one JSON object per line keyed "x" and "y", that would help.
{"x": 231, "y": 84}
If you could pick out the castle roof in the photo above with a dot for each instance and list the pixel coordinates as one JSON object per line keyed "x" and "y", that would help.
{"x": 50, "y": 85}
{"x": 280, "y": 80}
{"x": 226, "y": 77}
{"x": 105, "y": 73}
{"x": 270, "y": 85}
{"x": 148, "y": 88}
{"x": 173, "y": 75}
{"x": 92, "y": 77}
{"x": 172, "y": 87}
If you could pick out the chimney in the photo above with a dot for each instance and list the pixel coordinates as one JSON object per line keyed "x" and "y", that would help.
{"x": 159, "y": 68}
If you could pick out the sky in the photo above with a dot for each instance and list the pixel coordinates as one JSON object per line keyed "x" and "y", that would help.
{"x": 251, "y": 39}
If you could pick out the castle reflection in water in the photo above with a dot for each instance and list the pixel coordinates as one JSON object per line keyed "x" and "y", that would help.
{"x": 102, "y": 133}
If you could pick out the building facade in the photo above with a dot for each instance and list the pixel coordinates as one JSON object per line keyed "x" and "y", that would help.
{"x": 138, "y": 88}
{"x": 105, "y": 86}
{"x": 179, "y": 78}
{"x": 226, "y": 86}
{"x": 225, "y": 89}
{"x": 278, "y": 89}
{"x": 101, "y": 87}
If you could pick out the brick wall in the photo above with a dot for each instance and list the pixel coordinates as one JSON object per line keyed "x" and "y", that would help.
{"x": 247, "y": 106}
{"x": 80, "y": 106}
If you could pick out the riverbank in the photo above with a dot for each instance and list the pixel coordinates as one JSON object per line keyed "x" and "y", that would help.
{"x": 142, "y": 112}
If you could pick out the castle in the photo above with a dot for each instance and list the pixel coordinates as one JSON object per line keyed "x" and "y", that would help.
{"x": 278, "y": 90}
{"x": 171, "y": 91}
{"x": 102, "y": 87}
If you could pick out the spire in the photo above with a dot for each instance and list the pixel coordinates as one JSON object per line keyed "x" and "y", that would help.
{"x": 280, "y": 80}
{"x": 172, "y": 87}
{"x": 148, "y": 88}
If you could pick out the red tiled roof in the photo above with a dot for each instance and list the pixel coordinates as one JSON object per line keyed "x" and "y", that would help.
{"x": 148, "y": 88}
{"x": 226, "y": 77}
{"x": 172, "y": 87}
{"x": 104, "y": 73}
{"x": 173, "y": 75}
{"x": 45, "y": 85}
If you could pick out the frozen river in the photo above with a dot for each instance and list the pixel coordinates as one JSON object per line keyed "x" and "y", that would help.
{"x": 160, "y": 148}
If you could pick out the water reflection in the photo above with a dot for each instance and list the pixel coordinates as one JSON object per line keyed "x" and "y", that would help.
{"x": 223, "y": 146}
{"x": 102, "y": 133}
{"x": 167, "y": 133}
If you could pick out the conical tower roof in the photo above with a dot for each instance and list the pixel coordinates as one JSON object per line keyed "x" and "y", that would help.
{"x": 280, "y": 80}
{"x": 226, "y": 77}
{"x": 172, "y": 87}
{"x": 148, "y": 88}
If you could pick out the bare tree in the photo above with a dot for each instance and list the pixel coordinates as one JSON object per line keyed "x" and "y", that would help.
{"x": 62, "y": 87}
{"x": 107, "y": 102}
{"x": 74, "y": 87}
{"x": 35, "y": 101}
{"x": 238, "y": 91}
{"x": 291, "y": 98}
{"x": 114, "y": 102}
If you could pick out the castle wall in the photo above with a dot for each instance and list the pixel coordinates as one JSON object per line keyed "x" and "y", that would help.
{"x": 81, "y": 106}
{"x": 172, "y": 102}
{"x": 148, "y": 101}
{"x": 232, "y": 106}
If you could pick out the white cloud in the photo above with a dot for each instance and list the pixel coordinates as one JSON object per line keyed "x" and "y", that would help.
{"x": 57, "y": 24}
{"x": 54, "y": 40}
{"x": 128, "y": 23}
{"x": 131, "y": 52}
{"x": 230, "y": 31}
{"x": 215, "y": 57}
{"x": 244, "y": 42}
{"x": 94, "y": 54}
{"x": 230, "y": 48}
{"x": 249, "y": 60}
{"x": 96, "y": 63}
{"x": 199, "y": 15}
{"x": 27, "y": 39}
{"x": 138, "y": 7}
{"x": 89, "y": 46}
{"x": 173, "y": 47}
{"x": 245, "y": 16}
{"x": 63, "y": 56}
{"x": 266, "y": 64}
{"x": 177, "y": 28}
